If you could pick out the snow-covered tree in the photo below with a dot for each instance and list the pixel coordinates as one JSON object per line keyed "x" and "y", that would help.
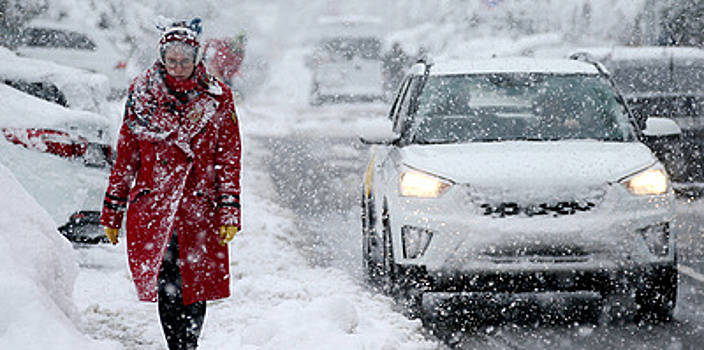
{"x": 682, "y": 23}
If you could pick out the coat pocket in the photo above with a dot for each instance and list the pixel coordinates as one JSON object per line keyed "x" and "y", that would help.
{"x": 137, "y": 193}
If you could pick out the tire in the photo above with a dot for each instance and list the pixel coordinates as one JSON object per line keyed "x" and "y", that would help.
{"x": 389, "y": 268}
{"x": 402, "y": 283}
{"x": 372, "y": 268}
{"x": 657, "y": 297}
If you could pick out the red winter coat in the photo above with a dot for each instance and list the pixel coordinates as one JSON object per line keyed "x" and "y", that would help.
{"x": 177, "y": 168}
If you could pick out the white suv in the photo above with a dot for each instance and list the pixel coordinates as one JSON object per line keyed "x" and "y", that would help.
{"x": 518, "y": 175}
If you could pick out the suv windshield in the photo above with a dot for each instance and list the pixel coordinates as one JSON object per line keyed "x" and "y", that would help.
{"x": 504, "y": 107}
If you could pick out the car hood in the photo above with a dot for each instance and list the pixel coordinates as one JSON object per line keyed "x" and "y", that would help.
{"x": 557, "y": 164}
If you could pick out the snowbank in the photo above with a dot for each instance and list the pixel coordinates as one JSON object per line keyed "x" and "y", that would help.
{"x": 39, "y": 270}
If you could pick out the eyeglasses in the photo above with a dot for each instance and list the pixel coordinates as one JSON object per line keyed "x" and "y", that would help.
{"x": 185, "y": 63}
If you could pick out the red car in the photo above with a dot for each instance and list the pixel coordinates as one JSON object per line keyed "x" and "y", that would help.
{"x": 55, "y": 142}
{"x": 60, "y": 143}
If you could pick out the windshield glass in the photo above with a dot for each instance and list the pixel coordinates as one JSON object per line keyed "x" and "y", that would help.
{"x": 504, "y": 107}
{"x": 658, "y": 76}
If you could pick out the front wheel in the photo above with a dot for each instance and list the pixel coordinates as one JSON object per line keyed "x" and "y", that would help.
{"x": 372, "y": 267}
{"x": 657, "y": 297}
{"x": 389, "y": 263}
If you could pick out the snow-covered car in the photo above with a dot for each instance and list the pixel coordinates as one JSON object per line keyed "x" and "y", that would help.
{"x": 72, "y": 46}
{"x": 68, "y": 86}
{"x": 518, "y": 175}
{"x": 663, "y": 82}
{"x": 41, "y": 125}
{"x": 79, "y": 90}
{"x": 347, "y": 62}
{"x": 47, "y": 147}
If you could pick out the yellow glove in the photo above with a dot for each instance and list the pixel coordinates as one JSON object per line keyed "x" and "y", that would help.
{"x": 112, "y": 234}
{"x": 227, "y": 233}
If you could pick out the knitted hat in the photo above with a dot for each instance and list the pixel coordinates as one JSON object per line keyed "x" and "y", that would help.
{"x": 182, "y": 32}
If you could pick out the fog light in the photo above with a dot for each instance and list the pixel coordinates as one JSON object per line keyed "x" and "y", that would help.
{"x": 415, "y": 241}
{"x": 657, "y": 238}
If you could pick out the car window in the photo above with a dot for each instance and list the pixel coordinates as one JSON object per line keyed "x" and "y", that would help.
{"x": 500, "y": 107}
{"x": 687, "y": 76}
{"x": 43, "y": 90}
{"x": 662, "y": 87}
{"x": 634, "y": 77}
{"x": 54, "y": 38}
{"x": 658, "y": 76}
{"x": 398, "y": 101}
{"x": 404, "y": 104}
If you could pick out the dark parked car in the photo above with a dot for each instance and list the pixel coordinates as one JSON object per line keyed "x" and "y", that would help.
{"x": 663, "y": 82}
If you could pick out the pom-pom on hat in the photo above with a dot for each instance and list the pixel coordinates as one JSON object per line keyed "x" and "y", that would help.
{"x": 182, "y": 32}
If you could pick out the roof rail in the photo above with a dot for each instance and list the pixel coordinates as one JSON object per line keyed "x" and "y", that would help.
{"x": 587, "y": 58}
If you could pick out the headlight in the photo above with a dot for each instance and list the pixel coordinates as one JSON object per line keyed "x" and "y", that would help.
{"x": 649, "y": 182}
{"x": 416, "y": 184}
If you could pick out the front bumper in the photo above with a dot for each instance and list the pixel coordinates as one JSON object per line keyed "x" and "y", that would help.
{"x": 601, "y": 249}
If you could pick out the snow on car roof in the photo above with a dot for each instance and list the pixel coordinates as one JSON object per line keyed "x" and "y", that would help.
{"x": 18, "y": 67}
{"x": 85, "y": 90}
{"x": 626, "y": 53}
{"x": 21, "y": 110}
{"x": 513, "y": 65}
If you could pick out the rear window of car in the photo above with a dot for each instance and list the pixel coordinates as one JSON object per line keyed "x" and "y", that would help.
{"x": 54, "y": 38}
{"x": 45, "y": 91}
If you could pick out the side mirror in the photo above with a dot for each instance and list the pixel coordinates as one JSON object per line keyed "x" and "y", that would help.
{"x": 658, "y": 127}
{"x": 378, "y": 131}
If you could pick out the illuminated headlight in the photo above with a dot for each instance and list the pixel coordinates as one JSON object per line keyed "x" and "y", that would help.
{"x": 649, "y": 182}
{"x": 415, "y": 241}
{"x": 416, "y": 184}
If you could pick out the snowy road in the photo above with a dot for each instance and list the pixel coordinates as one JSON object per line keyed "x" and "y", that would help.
{"x": 317, "y": 173}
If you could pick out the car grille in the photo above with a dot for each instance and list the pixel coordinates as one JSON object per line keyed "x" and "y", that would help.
{"x": 551, "y": 255}
{"x": 509, "y": 209}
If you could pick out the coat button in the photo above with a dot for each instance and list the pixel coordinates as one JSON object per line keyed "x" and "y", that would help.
{"x": 164, "y": 161}
{"x": 189, "y": 159}
{"x": 200, "y": 193}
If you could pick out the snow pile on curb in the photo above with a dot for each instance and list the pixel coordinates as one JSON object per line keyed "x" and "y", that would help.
{"x": 39, "y": 270}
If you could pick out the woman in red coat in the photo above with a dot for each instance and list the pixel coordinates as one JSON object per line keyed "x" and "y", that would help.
{"x": 177, "y": 179}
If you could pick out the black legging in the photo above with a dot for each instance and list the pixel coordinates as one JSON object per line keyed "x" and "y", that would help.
{"x": 181, "y": 323}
